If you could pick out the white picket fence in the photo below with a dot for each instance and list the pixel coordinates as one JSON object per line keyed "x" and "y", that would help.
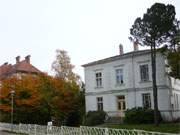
{"x": 32, "y": 129}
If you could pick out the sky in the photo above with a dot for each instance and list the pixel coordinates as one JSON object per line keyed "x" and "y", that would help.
{"x": 88, "y": 30}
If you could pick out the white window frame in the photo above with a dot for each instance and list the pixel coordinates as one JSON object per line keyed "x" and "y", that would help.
{"x": 119, "y": 76}
{"x": 121, "y": 102}
{"x": 98, "y": 79}
{"x": 146, "y": 100}
{"x": 144, "y": 72}
{"x": 99, "y": 103}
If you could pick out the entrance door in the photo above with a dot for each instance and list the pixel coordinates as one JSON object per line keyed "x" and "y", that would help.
{"x": 121, "y": 104}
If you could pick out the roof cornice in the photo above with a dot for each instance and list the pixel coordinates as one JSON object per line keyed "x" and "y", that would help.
{"x": 118, "y": 57}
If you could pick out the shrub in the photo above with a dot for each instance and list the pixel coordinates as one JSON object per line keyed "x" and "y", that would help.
{"x": 95, "y": 118}
{"x": 140, "y": 115}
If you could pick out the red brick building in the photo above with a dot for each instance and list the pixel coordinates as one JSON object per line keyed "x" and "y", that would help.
{"x": 19, "y": 68}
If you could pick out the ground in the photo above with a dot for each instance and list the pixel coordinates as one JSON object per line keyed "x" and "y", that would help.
{"x": 163, "y": 127}
{"x": 6, "y": 133}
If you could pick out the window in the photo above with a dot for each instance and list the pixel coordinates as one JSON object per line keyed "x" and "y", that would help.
{"x": 144, "y": 72}
{"x": 99, "y": 103}
{"x": 121, "y": 102}
{"x": 119, "y": 76}
{"x": 176, "y": 102}
{"x": 146, "y": 97}
{"x": 98, "y": 79}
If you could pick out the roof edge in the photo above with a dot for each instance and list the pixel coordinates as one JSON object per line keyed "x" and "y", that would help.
{"x": 117, "y": 57}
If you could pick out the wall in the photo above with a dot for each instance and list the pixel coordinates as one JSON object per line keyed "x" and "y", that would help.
{"x": 132, "y": 87}
{"x": 131, "y": 72}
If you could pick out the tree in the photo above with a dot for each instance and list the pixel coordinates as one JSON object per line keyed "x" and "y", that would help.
{"x": 77, "y": 116}
{"x": 172, "y": 51}
{"x": 153, "y": 30}
{"x": 26, "y": 96}
{"x": 63, "y": 67}
{"x": 175, "y": 67}
{"x": 39, "y": 99}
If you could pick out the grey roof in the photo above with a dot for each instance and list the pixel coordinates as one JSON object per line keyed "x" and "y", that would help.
{"x": 118, "y": 57}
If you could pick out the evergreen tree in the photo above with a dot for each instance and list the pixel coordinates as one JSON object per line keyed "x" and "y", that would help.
{"x": 153, "y": 30}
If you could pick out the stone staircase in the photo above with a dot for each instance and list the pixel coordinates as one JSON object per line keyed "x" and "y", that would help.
{"x": 114, "y": 120}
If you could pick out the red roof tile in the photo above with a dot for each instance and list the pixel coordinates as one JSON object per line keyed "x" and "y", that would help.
{"x": 22, "y": 66}
{"x": 4, "y": 69}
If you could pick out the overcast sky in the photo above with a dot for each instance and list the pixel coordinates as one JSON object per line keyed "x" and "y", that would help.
{"x": 87, "y": 29}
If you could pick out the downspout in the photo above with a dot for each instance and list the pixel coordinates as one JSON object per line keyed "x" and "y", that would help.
{"x": 133, "y": 77}
{"x": 171, "y": 95}
{"x": 170, "y": 92}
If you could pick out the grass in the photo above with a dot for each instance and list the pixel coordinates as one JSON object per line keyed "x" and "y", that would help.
{"x": 163, "y": 127}
{"x": 11, "y": 132}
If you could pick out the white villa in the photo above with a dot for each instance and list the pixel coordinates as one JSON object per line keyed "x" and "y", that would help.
{"x": 124, "y": 81}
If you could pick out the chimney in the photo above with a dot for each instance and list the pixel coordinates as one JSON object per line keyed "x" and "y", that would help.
{"x": 17, "y": 59}
{"x": 27, "y": 58}
{"x": 6, "y": 63}
{"x": 121, "y": 49}
{"x": 136, "y": 46}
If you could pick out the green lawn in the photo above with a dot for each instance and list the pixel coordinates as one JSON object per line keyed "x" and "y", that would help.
{"x": 10, "y": 132}
{"x": 163, "y": 127}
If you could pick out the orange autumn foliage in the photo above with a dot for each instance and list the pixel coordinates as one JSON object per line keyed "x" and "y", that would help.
{"x": 38, "y": 95}
{"x": 63, "y": 94}
{"x": 26, "y": 92}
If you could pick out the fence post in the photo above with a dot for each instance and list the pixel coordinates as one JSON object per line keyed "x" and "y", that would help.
{"x": 106, "y": 131}
{"x": 35, "y": 129}
{"x": 19, "y": 127}
{"x": 29, "y": 128}
{"x": 80, "y": 130}
{"x": 61, "y": 130}
{"x": 47, "y": 129}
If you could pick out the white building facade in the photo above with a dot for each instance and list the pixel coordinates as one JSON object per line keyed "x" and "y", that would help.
{"x": 124, "y": 81}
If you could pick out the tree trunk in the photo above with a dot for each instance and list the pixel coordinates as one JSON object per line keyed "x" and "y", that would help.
{"x": 155, "y": 95}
